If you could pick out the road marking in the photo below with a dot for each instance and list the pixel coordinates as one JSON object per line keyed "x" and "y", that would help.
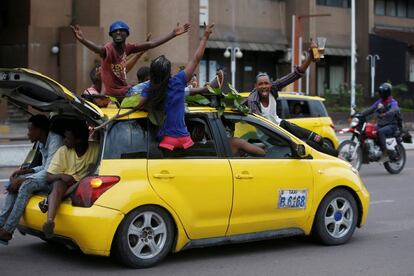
{"x": 382, "y": 201}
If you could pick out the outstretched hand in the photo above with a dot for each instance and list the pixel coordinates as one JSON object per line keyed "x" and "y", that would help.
{"x": 77, "y": 32}
{"x": 208, "y": 29}
{"x": 179, "y": 30}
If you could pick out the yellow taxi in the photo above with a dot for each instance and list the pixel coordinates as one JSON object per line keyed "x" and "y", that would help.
{"x": 308, "y": 112}
{"x": 141, "y": 202}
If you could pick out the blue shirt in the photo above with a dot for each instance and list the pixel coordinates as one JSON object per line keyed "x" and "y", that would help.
{"x": 137, "y": 89}
{"x": 53, "y": 142}
{"x": 174, "y": 124}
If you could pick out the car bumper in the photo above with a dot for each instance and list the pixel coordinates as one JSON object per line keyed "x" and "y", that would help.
{"x": 91, "y": 229}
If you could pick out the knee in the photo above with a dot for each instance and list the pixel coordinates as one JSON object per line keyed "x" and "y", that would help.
{"x": 25, "y": 188}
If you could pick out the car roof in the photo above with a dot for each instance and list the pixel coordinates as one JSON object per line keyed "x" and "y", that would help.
{"x": 112, "y": 110}
{"x": 290, "y": 95}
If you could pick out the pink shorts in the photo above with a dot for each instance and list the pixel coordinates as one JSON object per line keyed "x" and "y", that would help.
{"x": 170, "y": 143}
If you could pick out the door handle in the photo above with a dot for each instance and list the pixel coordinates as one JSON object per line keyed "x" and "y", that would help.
{"x": 244, "y": 175}
{"x": 163, "y": 175}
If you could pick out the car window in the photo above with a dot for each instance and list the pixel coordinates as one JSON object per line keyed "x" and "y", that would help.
{"x": 318, "y": 109}
{"x": 298, "y": 109}
{"x": 201, "y": 134}
{"x": 274, "y": 145}
{"x": 127, "y": 140}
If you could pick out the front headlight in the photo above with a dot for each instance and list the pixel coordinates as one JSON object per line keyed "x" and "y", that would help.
{"x": 354, "y": 122}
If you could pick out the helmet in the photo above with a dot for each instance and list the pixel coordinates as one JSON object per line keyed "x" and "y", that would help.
{"x": 384, "y": 90}
{"x": 118, "y": 25}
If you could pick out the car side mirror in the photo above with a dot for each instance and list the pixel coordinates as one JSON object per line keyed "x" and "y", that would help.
{"x": 301, "y": 151}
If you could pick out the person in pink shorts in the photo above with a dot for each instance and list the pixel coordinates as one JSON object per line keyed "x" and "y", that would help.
{"x": 167, "y": 94}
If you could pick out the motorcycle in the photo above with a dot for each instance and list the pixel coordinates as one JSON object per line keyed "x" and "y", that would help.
{"x": 362, "y": 147}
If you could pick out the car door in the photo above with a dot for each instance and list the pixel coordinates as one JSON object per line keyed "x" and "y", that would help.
{"x": 263, "y": 185}
{"x": 197, "y": 183}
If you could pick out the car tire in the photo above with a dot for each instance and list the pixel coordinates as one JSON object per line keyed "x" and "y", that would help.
{"x": 336, "y": 218}
{"x": 346, "y": 148}
{"x": 144, "y": 237}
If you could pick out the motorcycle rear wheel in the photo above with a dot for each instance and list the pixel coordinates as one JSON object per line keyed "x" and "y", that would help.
{"x": 395, "y": 167}
{"x": 346, "y": 151}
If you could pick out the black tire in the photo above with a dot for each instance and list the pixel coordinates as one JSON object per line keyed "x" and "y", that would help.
{"x": 334, "y": 227}
{"x": 345, "y": 153}
{"x": 395, "y": 167}
{"x": 135, "y": 232}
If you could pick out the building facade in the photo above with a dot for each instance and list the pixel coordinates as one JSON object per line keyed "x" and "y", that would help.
{"x": 261, "y": 29}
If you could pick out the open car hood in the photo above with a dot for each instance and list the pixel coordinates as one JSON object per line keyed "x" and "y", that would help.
{"x": 26, "y": 87}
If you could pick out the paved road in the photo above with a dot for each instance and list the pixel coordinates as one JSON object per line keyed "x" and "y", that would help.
{"x": 385, "y": 246}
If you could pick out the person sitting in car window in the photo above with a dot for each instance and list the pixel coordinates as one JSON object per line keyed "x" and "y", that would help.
{"x": 24, "y": 182}
{"x": 72, "y": 162}
{"x": 241, "y": 147}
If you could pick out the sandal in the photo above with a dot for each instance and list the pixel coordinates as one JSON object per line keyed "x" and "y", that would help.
{"x": 43, "y": 206}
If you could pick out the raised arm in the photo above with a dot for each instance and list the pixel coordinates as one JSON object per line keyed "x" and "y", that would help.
{"x": 192, "y": 65}
{"x": 178, "y": 30}
{"x": 217, "y": 82}
{"x": 77, "y": 32}
{"x": 133, "y": 59}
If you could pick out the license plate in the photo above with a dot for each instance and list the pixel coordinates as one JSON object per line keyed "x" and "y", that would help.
{"x": 293, "y": 199}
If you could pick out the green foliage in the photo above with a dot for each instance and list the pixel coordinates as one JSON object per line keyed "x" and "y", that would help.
{"x": 131, "y": 101}
{"x": 197, "y": 100}
{"x": 402, "y": 95}
{"x": 340, "y": 98}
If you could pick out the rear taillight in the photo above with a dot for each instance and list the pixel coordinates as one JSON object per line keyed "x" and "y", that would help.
{"x": 91, "y": 188}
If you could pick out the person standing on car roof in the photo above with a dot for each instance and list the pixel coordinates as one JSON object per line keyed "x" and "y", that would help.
{"x": 24, "y": 182}
{"x": 114, "y": 54}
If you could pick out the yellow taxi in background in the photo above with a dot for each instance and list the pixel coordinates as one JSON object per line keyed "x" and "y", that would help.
{"x": 141, "y": 202}
{"x": 308, "y": 112}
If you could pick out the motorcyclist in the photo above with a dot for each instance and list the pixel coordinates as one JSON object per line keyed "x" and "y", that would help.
{"x": 388, "y": 114}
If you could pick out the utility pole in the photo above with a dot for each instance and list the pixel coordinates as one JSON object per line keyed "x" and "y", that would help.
{"x": 353, "y": 53}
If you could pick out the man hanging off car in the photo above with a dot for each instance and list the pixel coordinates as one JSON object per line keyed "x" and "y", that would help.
{"x": 262, "y": 101}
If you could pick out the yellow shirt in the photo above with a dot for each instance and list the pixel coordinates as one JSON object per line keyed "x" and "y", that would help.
{"x": 66, "y": 161}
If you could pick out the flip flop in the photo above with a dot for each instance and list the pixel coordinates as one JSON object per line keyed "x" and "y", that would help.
{"x": 43, "y": 206}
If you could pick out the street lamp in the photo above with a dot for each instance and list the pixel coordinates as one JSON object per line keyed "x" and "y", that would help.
{"x": 372, "y": 59}
{"x": 233, "y": 53}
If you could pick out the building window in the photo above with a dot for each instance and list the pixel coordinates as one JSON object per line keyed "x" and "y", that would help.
{"x": 380, "y": 7}
{"x": 411, "y": 77}
{"x": 410, "y": 9}
{"x": 390, "y": 8}
{"x": 335, "y": 3}
{"x": 203, "y": 12}
{"x": 402, "y": 9}
{"x": 336, "y": 78}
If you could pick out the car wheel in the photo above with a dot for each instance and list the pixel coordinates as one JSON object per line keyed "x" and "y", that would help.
{"x": 144, "y": 237}
{"x": 336, "y": 218}
{"x": 348, "y": 151}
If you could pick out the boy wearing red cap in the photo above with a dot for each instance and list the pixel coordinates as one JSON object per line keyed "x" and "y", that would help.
{"x": 113, "y": 54}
